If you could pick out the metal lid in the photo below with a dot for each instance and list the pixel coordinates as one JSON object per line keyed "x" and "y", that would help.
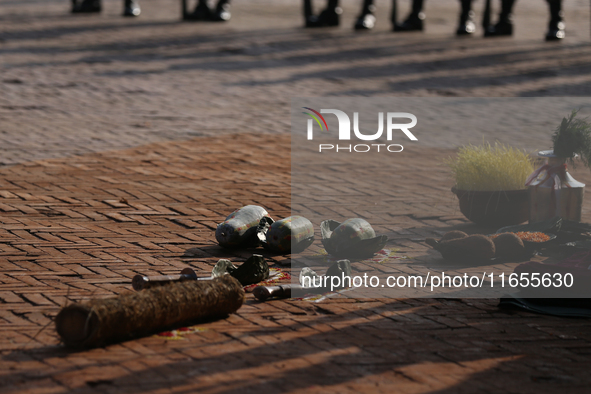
{"x": 550, "y": 154}
{"x": 546, "y": 153}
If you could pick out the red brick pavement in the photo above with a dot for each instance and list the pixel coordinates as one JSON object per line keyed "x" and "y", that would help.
{"x": 82, "y": 227}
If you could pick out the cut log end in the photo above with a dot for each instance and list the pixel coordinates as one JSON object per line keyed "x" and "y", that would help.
{"x": 74, "y": 324}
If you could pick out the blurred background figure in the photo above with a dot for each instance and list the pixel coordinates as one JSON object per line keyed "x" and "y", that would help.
{"x": 80, "y": 6}
{"x": 466, "y": 25}
{"x": 555, "y": 24}
{"x": 202, "y": 12}
{"x": 328, "y": 17}
{"x": 366, "y": 20}
{"x": 504, "y": 25}
{"x": 414, "y": 20}
{"x": 130, "y": 7}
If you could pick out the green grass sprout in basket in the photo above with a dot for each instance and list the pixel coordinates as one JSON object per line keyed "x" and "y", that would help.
{"x": 573, "y": 137}
{"x": 490, "y": 168}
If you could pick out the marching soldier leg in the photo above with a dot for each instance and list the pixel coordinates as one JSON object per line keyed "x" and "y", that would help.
{"x": 556, "y": 25}
{"x": 85, "y": 6}
{"x": 504, "y": 26}
{"x": 131, "y": 8}
{"x": 222, "y": 11}
{"x": 466, "y": 25}
{"x": 366, "y": 20}
{"x": 414, "y": 21}
{"x": 307, "y": 9}
{"x": 328, "y": 17}
{"x": 200, "y": 13}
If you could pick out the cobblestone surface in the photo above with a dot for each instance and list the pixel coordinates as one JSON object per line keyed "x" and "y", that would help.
{"x": 121, "y": 153}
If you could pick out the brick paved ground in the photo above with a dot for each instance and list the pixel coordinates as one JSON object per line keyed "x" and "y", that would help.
{"x": 79, "y": 227}
{"x": 82, "y": 227}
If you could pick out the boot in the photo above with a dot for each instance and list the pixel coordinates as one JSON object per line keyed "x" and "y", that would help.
{"x": 328, "y": 17}
{"x": 556, "y": 25}
{"x": 466, "y": 25}
{"x": 222, "y": 11}
{"x": 414, "y": 21}
{"x": 367, "y": 19}
{"x": 201, "y": 12}
{"x": 504, "y": 26}
{"x": 86, "y": 6}
{"x": 131, "y": 8}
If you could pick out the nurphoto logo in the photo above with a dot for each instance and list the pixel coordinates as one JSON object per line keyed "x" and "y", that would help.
{"x": 391, "y": 125}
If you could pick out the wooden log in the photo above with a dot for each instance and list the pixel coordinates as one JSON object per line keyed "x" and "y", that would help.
{"x": 134, "y": 314}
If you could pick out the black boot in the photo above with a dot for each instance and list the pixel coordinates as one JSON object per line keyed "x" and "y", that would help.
{"x": 414, "y": 22}
{"x": 86, "y": 6}
{"x": 367, "y": 20}
{"x": 131, "y": 8}
{"x": 504, "y": 26}
{"x": 222, "y": 11}
{"x": 466, "y": 25}
{"x": 201, "y": 12}
{"x": 328, "y": 17}
{"x": 556, "y": 25}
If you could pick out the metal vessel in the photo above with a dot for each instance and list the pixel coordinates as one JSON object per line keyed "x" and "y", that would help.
{"x": 553, "y": 191}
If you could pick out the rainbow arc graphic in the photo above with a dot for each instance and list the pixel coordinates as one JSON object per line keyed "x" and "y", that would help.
{"x": 315, "y": 116}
